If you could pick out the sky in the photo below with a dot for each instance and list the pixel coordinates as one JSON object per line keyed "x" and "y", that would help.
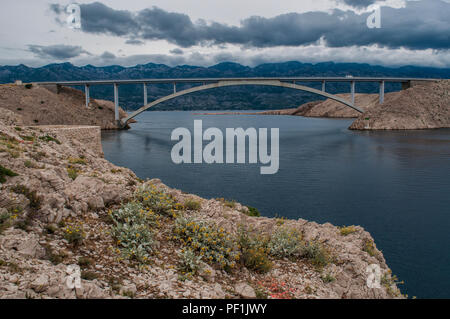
{"x": 204, "y": 33}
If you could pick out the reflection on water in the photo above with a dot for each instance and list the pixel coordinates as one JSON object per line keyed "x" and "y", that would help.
{"x": 394, "y": 184}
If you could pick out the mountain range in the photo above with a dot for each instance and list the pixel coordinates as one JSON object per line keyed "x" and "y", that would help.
{"x": 230, "y": 98}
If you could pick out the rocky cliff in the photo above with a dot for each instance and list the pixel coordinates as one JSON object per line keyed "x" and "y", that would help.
{"x": 64, "y": 207}
{"x": 35, "y": 105}
{"x": 425, "y": 106}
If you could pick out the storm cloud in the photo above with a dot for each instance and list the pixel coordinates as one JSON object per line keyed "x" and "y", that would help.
{"x": 419, "y": 25}
{"x": 359, "y": 3}
{"x": 57, "y": 52}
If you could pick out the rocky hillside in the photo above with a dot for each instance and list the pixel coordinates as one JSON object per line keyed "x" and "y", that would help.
{"x": 64, "y": 208}
{"x": 330, "y": 108}
{"x": 34, "y": 105}
{"x": 420, "y": 107}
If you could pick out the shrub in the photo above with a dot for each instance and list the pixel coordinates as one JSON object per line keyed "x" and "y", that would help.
{"x": 89, "y": 275}
{"x": 252, "y": 211}
{"x": 132, "y": 231}
{"x": 191, "y": 204}
{"x": 315, "y": 253}
{"x": 369, "y": 247}
{"x": 134, "y": 213}
{"x": 74, "y": 234}
{"x": 77, "y": 160}
{"x": 189, "y": 262}
{"x": 84, "y": 262}
{"x": 254, "y": 251}
{"x": 134, "y": 240}
{"x": 155, "y": 199}
{"x": 328, "y": 278}
{"x": 285, "y": 243}
{"x": 48, "y": 138}
{"x": 72, "y": 172}
{"x": 346, "y": 230}
{"x": 6, "y": 172}
{"x": 28, "y": 86}
{"x": 214, "y": 245}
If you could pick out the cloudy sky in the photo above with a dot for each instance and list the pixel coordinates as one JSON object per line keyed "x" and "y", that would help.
{"x": 251, "y": 32}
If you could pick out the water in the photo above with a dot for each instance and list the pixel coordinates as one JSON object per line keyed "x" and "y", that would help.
{"x": 394, "y": 184}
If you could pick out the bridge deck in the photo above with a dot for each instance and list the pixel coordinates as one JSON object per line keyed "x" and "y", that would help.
{"x": 213, "y": 80}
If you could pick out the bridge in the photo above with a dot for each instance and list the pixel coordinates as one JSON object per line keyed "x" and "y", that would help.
{"x": 211, "y": 83}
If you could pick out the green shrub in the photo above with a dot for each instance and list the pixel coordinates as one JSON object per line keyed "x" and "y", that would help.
{"x": 213, "y": 244}
{"x": 328, "y": 278}
{"x": 254, "y": 251}
{"x": 316, "y": 254}
{"x": 134, "y": 240}
{"x": 6, "y": 172}
{"x": 155, "y": 199}
{"x": 77, "y": 160}
{"x": 189, "y": 262}
{"x": 252, "y": 211}
{"x": 191, "y": 204}
{"x": 74, "y": 234}
{"x": 72, "y": 172}
{"x": 48, "y": 138}
{"x": 89, "y": 275}
{"x": 134, "y": 213}
{"x": 347, "y": 230}
{"x": 369, "y": 247}
{"x": 285, "y": 243}
{"x": 84, "y": 262}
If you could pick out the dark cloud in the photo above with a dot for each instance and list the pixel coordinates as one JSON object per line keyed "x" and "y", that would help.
{"x": 420, "y": 25}
{"x": 177, "y": 51}
{"x": 57, "y": 52}
{"x": 359, "y": 3}
{"x": 107, "y": 56}
{"x": 134, "y": 42}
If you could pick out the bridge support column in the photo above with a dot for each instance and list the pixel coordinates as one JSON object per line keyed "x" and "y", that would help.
{"x": 86, "y": 93}
{"x": 174, "y": 88}
{"x": 323, "y": 86}
{"x": 145, "y": 94}
{"x": 381, "y": 92}
{"x": 116, "y": 102}
{"x": 353, "y": 92}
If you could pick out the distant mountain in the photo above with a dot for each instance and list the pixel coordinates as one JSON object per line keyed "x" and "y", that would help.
{"x": 231, "y": 98}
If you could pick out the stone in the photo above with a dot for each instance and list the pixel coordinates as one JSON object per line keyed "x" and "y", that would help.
{"x": 244, "y": 290}
{"x": 40, "y": 284}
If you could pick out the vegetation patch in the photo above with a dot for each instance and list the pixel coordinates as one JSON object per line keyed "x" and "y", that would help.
{"x": 251, "y": 211}
{"x": 4, "y": 172}
{"x": 47, "y": 138}
{"x": 189, "y": 263}
{"x": 369, "y": 247}
{"x": 192, "y": 204}
{"x": 254, "y": 251}
{"x": 155, "y": 199}
{"x": 72, "y": 172}
{"x": 33, "y": 198}
{"x": 213, "y": 244}
{"x": 77, "y": 160}
{"x": 285, "y": 243}
{"x": 132, "y": 231}
{"x": 316, "y": 254}
{"x": 347, "y": 230}
{"x": 74, "y": 234}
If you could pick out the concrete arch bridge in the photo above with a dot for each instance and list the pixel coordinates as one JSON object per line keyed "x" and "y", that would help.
{"x": 212, "y": 83}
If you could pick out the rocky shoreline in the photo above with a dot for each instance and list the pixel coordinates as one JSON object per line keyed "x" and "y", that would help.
{"x": 62, "y": 205}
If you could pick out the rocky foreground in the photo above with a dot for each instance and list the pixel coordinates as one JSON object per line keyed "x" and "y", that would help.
{"x": 63, "y": 207}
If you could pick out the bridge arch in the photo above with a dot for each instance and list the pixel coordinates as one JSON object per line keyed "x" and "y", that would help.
{"x": 236, "y": 83}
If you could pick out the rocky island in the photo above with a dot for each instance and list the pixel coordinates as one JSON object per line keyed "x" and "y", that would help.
{"x": 63, "y": 207}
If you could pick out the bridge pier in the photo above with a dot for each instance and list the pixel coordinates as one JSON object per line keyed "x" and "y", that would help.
{"x": 116, "y": 103}
{"x": 323, "y": 86}
{"x": 353, "y": 92}
{"x": 145, "y": 94}
{"x": 86, "y": 93}
{"x": 381, "y": 92}
{"x": 174, "y": 87}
